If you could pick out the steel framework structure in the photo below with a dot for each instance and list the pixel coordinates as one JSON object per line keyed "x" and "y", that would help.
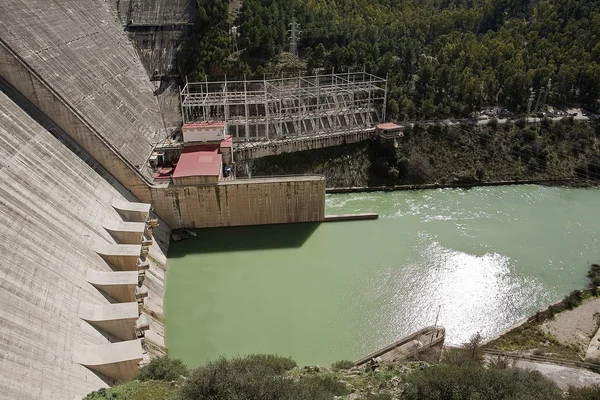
{"x": 285, "y": 108}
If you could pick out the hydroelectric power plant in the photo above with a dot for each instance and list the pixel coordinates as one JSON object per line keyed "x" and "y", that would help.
{"x": 96, "y": 171}
{"x": 104, "y": 155}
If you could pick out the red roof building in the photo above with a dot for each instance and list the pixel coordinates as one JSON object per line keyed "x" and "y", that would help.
{"x": 198, "y": 165}
{"x": 388, "y": 126}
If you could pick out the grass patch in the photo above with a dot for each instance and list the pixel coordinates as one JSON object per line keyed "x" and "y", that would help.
{"x": 137, "y": 390}
{"x": 530, "y": 337}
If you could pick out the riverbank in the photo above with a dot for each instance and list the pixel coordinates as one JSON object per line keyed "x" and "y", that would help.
{"x": 567, "y": 182}
{"x": 563, "y": 331}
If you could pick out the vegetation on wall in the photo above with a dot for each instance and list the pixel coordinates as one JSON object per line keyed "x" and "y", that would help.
{"x": 443, "y": 57}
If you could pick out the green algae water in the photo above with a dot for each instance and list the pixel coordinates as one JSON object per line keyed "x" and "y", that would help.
{"x": 324, "y": 292}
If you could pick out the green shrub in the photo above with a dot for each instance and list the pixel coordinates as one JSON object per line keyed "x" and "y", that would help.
{"x": 256, "y": 377}
{"x": 573, "y": 299}
{"x": 162, "y": 369}
{"x": 584, "y": 393}
{"x": 472, "y": 381}
{"x": 594, "y": 275}
{"x": 342, "y": 364}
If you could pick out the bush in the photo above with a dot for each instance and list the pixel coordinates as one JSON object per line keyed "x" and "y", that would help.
{"x": 584, "y": 393}
{"x": 472, "y": 381}
{"x": 419, "y": 169}
{"x": 573, "y": 299}
{"x": 594, "y": 275}
{"x": 162, "y": 369}
{"x": 256, "y": 377}
{"x": 342, "y": 364}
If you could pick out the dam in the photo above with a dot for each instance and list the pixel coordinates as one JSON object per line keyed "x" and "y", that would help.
{"x": 319, "y": 293}
{"x": 88, "y": 120}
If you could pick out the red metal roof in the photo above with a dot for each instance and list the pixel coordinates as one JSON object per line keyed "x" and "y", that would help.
{"x": 227, "y": 142}
{"x": 389, "y": 126}
{"x": 203, "y": 160}
{"x": 204, "y": 125}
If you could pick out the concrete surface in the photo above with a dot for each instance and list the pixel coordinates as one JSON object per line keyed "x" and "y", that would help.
{"x": 130, "y": 211}
{"x": 121, "y": 256}
{"x": 116, "y": 360}
{"x": 118, "y": 285}
{"x": 80, "y": 50}
{"x": 52, "y": 206}
{"x": 118, "y": 319}
{"x": 125, "y": 232}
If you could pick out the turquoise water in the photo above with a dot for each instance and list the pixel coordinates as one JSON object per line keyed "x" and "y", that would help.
{"x": 324, "y": 292}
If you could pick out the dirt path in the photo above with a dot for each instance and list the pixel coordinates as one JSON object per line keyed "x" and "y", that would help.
{"x": 561, "y": 375}
{"x": 575, "y": 326}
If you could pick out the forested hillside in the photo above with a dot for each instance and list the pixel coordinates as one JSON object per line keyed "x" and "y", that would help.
{"x": 443, "y": 57}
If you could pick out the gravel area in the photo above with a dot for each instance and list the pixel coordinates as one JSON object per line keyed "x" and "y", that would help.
{"x": 576, "y": 326}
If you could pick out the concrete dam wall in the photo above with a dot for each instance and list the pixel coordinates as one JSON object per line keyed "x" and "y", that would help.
{"x": 55, "y": 314}
{"x": 82, "y": 272}
{"x": 157, "y": 29}
{"x": 83, "y": 73}
{"x": 73, "y": 60}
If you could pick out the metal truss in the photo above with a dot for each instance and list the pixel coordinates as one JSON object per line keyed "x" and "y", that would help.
{"x": 276, "y": 109}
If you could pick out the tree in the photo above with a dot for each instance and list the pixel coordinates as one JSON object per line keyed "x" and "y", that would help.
{"x": 393, "y": 108}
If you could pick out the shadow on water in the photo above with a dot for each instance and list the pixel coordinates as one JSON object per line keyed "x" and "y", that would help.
{"x": 243, "y": 238}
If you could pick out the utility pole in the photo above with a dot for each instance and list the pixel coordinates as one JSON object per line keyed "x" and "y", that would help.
{"x": 233, "y": 31}
{"x": 530, "y": 101}
{"x": 548, "y": 88}
{"x": 537, "y": 103}
{"x": 294, "y": 33}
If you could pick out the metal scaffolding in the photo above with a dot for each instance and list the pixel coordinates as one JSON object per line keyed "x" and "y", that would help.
{"x": 285, "y": 108}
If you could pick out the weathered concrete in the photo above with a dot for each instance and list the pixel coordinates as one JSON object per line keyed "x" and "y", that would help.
{"x": 117, "y": 319}
{"x": 118, "y": 361}
{"x": 125, "y": 232}
{"x": 244, "y": 202}
{"x": 415, "y": 343}
{"x": 122, "y": 256}
{"x": 130, "y": 211}
{"x": 351, "y": 217}
{"x": 79, "y": 49}
{"x": 157, "y": 28}
{"x": 592, "y": 353}
{"x": 121, "y": 286}
{"x": 52, "y": 207}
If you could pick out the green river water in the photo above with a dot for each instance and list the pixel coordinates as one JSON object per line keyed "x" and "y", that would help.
{"x": 320, "y": 293}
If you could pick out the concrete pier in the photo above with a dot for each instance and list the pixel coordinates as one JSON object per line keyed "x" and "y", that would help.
{"x": 121, "y": 286}
{"x": 131, "y": 212}
{"x": 125, "y": 232}
{"x": 117, "y": 319}
{"x": 118, "y": 361}
{"x": 122, "y": 256}
{"x": 351, "y": 217}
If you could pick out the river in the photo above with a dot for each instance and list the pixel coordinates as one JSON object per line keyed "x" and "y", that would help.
{"x": 484, "y": 257}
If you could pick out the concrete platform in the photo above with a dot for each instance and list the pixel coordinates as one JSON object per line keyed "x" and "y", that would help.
{"x": 118, "y": 361}
{"x": 351, "y": 217}
{"x": 125, "y": 232}
{"x": 121, "y": 256}
{"x": 130, "y": 211}
{"x": 120, "y": 286}
{"x": 117, "y": 319}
